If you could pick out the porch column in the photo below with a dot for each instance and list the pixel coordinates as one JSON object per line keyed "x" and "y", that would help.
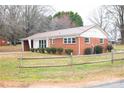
{"x": 29, "y": 42}
{"x": 78, "y": 45}
{"x": 47, "y": 42}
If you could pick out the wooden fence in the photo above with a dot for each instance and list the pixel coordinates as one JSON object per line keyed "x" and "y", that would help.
{"x": 112, "y": 59}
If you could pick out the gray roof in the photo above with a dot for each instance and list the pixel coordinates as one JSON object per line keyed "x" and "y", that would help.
{"x": 60, "y": 33}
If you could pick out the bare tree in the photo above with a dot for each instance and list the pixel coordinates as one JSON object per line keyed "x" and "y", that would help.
{"x": 116, "y": 13}
{"x": 100, "y": 18}
{"x": 106, "y": 19}
{"x": 35, "y": 19}
{"x": 62, "y": 23}
{"x": 21, "y": 21}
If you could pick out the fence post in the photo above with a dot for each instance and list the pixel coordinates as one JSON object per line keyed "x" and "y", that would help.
{"x": 112, "y": 56}
{"x": 71, "y": 59}
{"x": 71, "y": 64}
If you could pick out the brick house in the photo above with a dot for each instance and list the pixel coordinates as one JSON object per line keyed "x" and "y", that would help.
{"x": 78, "y": 39}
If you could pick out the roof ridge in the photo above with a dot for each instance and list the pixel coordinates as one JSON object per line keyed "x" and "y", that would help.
{"x": 59, "y": 32}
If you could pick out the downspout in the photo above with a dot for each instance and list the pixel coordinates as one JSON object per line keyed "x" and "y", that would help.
{"x": 78, "y": 45}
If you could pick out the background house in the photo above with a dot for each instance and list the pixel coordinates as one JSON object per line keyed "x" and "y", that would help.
{"x": 3, "y": 42}
{"x": 78, "y": 39}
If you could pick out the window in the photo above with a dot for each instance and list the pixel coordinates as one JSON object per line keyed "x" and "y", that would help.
{"x": 65, "y": 40}
{"x": 101, "y": 40}
{"x": 69, "y": 40}
{"x": 73, "y": 40}
{"x": 42, "y": 43}
{"x": 87, "y": 40}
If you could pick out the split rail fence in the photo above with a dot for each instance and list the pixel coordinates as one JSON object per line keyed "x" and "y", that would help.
{"x": 108, "y": 57}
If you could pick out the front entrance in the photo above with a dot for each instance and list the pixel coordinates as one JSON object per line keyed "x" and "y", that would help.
{"x": 42, "y": 44}
{"x": 26, "y": 45}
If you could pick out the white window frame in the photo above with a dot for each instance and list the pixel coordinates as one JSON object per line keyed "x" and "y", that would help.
{"x": 67, "y": 40}
{"x": 87, "y": 42}
{"x": 100, "y": 40}
{"x": 43, "y": 43}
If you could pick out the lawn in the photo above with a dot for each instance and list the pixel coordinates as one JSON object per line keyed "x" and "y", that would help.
{"x": 119, "y": 47}
{"x": 9, "y": 70}
{"x": 10, "y": 48}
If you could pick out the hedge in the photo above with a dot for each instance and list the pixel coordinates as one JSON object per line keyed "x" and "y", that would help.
{"x": 98, "y": 49}
{"x": 60, "y": 50}
{"x": 88, "y": 51}
{"x": 109, "y": 47}
{"x": 68, "y": 51}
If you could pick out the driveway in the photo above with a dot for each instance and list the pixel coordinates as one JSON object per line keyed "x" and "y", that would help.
{"x": 117, "y": 84}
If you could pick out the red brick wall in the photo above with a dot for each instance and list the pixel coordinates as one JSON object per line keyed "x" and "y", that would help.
{"x": 95, "y": 41}
{"x": 3, "y": 42}
{"x": 59, "y": 43}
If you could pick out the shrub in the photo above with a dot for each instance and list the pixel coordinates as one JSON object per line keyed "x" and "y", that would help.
{"x": 48, "y": 50}
{"x": 98, "y": 49}
{"x": 109, "y": 48}
{"x": 36, "y": 49}
{"x": 59, "y": 50}
{"x": 68, "y": 51}
{"x": 53, "y": 50}
{"x": 32, "y": 49}
{"x": 42, "y": 50}
{"x": 88, "y": 51}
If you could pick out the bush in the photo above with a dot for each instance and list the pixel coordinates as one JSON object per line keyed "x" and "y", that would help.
{"x": 98, "y": 49}
{"x": 109, "y": 48}
{"x": 59, "y": 50}
{"x": 88, "y": 51}
{"x": 53, "y": 50}
{"x": 68, "y": 51}
{"x": 32, "y": 49}
{"x": 48, "y": 50}
{"x": 42, "y": 50}
{"x": 36, "y": 49}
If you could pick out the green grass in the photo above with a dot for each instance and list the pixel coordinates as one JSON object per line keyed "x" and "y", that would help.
{"x": 10, "y": 71}
{"x": 119, "y": 47}
{"x": 9, "y": 68}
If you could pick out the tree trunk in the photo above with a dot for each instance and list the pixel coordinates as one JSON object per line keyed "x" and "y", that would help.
{"x": 122, "y": 33}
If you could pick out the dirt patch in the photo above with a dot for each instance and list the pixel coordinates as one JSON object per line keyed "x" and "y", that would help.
{"x": 10, "y": 48}
{"x": 7, "y": 84}
{"x": 75, "y": 84}
{"x": 64, "y": 84}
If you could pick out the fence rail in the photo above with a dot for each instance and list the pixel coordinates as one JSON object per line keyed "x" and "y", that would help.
{"x": 112, "y": 59}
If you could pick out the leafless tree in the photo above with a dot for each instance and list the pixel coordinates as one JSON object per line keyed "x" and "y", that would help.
{"x": 100, "y": 18}
{"x": 107, "y": 18}
{"x": 35, "y": 19}
{"x": 62, "y": 22}
{"x": 21, "y": 21}
{"x": 116, "y": 13}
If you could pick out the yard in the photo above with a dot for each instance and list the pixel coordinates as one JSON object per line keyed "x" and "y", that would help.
{"x": 76, "y": 76}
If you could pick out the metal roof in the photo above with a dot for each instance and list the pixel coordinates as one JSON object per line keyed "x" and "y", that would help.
{"x": 60, "y": 33}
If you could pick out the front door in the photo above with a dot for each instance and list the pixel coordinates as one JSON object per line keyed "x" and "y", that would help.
{"x": 42, "y": 44}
